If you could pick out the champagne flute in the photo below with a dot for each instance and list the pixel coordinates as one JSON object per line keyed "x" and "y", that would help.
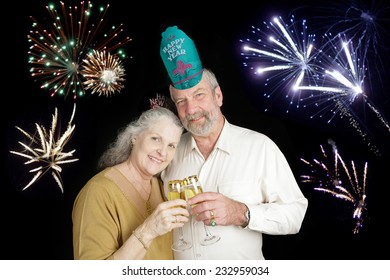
{"x": 193, "y": 188}
{"x": 174, "y": 190}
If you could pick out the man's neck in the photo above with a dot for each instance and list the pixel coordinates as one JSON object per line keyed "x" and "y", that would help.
{"x": 207, "y": 143}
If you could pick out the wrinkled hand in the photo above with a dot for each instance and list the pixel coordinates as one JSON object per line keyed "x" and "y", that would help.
{"x": 167, "y": 216}
{"x": 226, "y": 211}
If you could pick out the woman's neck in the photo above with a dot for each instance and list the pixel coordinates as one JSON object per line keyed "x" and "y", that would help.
{"x": 140, "y": 183}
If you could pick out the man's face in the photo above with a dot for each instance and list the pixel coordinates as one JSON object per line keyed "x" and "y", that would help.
{"x": 198, "y": 107}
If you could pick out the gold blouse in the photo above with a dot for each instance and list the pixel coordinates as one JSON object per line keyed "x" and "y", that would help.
{"x": 104, "y": 217}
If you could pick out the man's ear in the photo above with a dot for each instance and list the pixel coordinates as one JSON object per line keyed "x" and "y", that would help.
{"x": 218, "y": 95}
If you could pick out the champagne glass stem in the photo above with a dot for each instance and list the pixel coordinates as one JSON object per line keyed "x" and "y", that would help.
{"x": 208, "y": 233}
{"x": 181, "y": 236}
{"x": 210, "y": 238}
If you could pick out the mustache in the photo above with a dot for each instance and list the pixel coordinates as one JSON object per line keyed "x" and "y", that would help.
{"x": 195, "y": 116}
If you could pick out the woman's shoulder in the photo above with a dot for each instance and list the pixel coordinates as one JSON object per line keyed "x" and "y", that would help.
{"x": 100, "y": 182}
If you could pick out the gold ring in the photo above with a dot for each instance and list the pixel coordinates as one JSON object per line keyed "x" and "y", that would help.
{"x": 211, "y": 214}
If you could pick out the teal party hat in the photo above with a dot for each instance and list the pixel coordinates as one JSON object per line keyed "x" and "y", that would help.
{"x": 180, "y": 58}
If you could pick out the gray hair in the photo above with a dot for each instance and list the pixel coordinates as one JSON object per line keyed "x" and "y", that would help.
{"x": 210, "y": 78}
{"x": 119, "y": 150}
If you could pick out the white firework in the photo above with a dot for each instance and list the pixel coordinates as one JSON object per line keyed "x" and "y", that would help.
{"x": 47, "y": 151}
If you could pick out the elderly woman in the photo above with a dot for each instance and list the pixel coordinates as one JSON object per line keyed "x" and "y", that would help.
{"x": 120, "y": 213}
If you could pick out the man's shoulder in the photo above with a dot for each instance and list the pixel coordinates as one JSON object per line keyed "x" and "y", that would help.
{"x": 250, "y": 139}
{"x": 247, "y": 133}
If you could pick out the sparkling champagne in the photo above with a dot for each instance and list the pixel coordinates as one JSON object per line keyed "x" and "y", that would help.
{"x": 175, "y": 188}
{"x": 192, "y": 188}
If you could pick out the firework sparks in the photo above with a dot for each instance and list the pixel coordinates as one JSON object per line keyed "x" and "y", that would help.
{"x": 46, "y": 151}
{"x": 333, "y": 176}
{"x": 58, "y": 51}
{"x": 362, "y": 21}
{"x": 344, "y": 78}
{"x": 104, "y": 73}
{"x": 289, "y": 52}
{"x": 330, "y": 77}
{"x": 351, "y": 82}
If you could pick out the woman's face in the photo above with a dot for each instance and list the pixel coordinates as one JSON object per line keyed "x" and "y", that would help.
{"x": 154, "y": 149}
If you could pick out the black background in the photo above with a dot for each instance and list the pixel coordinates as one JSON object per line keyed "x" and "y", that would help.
{"x": 36, "y": 223}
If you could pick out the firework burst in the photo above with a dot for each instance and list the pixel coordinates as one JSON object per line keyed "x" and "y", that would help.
{"x": 332, "y": 175}
{"x": 103, "y": 72}
{"x": 329, "y": 77}
{"x": 288, "y": 51}
{"x": 362, "y": 21}
{"x": 343, "y": 83}
{"x": 58, "y": 51}
{"x": 45, "y": 151}
{"x": 366, "y": 24}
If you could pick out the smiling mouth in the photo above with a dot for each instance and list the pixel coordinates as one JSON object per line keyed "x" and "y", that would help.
{"x": 195, "y": 119}
{"x": 156, "y": 159}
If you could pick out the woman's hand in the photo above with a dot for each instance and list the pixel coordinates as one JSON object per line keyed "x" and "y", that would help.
{"x": 167, "y": 216}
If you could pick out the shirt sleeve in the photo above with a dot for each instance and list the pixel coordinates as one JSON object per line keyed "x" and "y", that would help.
{"x": 284, "y": 206}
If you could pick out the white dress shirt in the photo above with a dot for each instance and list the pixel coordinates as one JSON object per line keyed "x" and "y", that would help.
{"x": 246, "y": 166}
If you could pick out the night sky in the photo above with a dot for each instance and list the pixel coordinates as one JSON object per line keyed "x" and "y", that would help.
{"x": 36, "y": 223}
